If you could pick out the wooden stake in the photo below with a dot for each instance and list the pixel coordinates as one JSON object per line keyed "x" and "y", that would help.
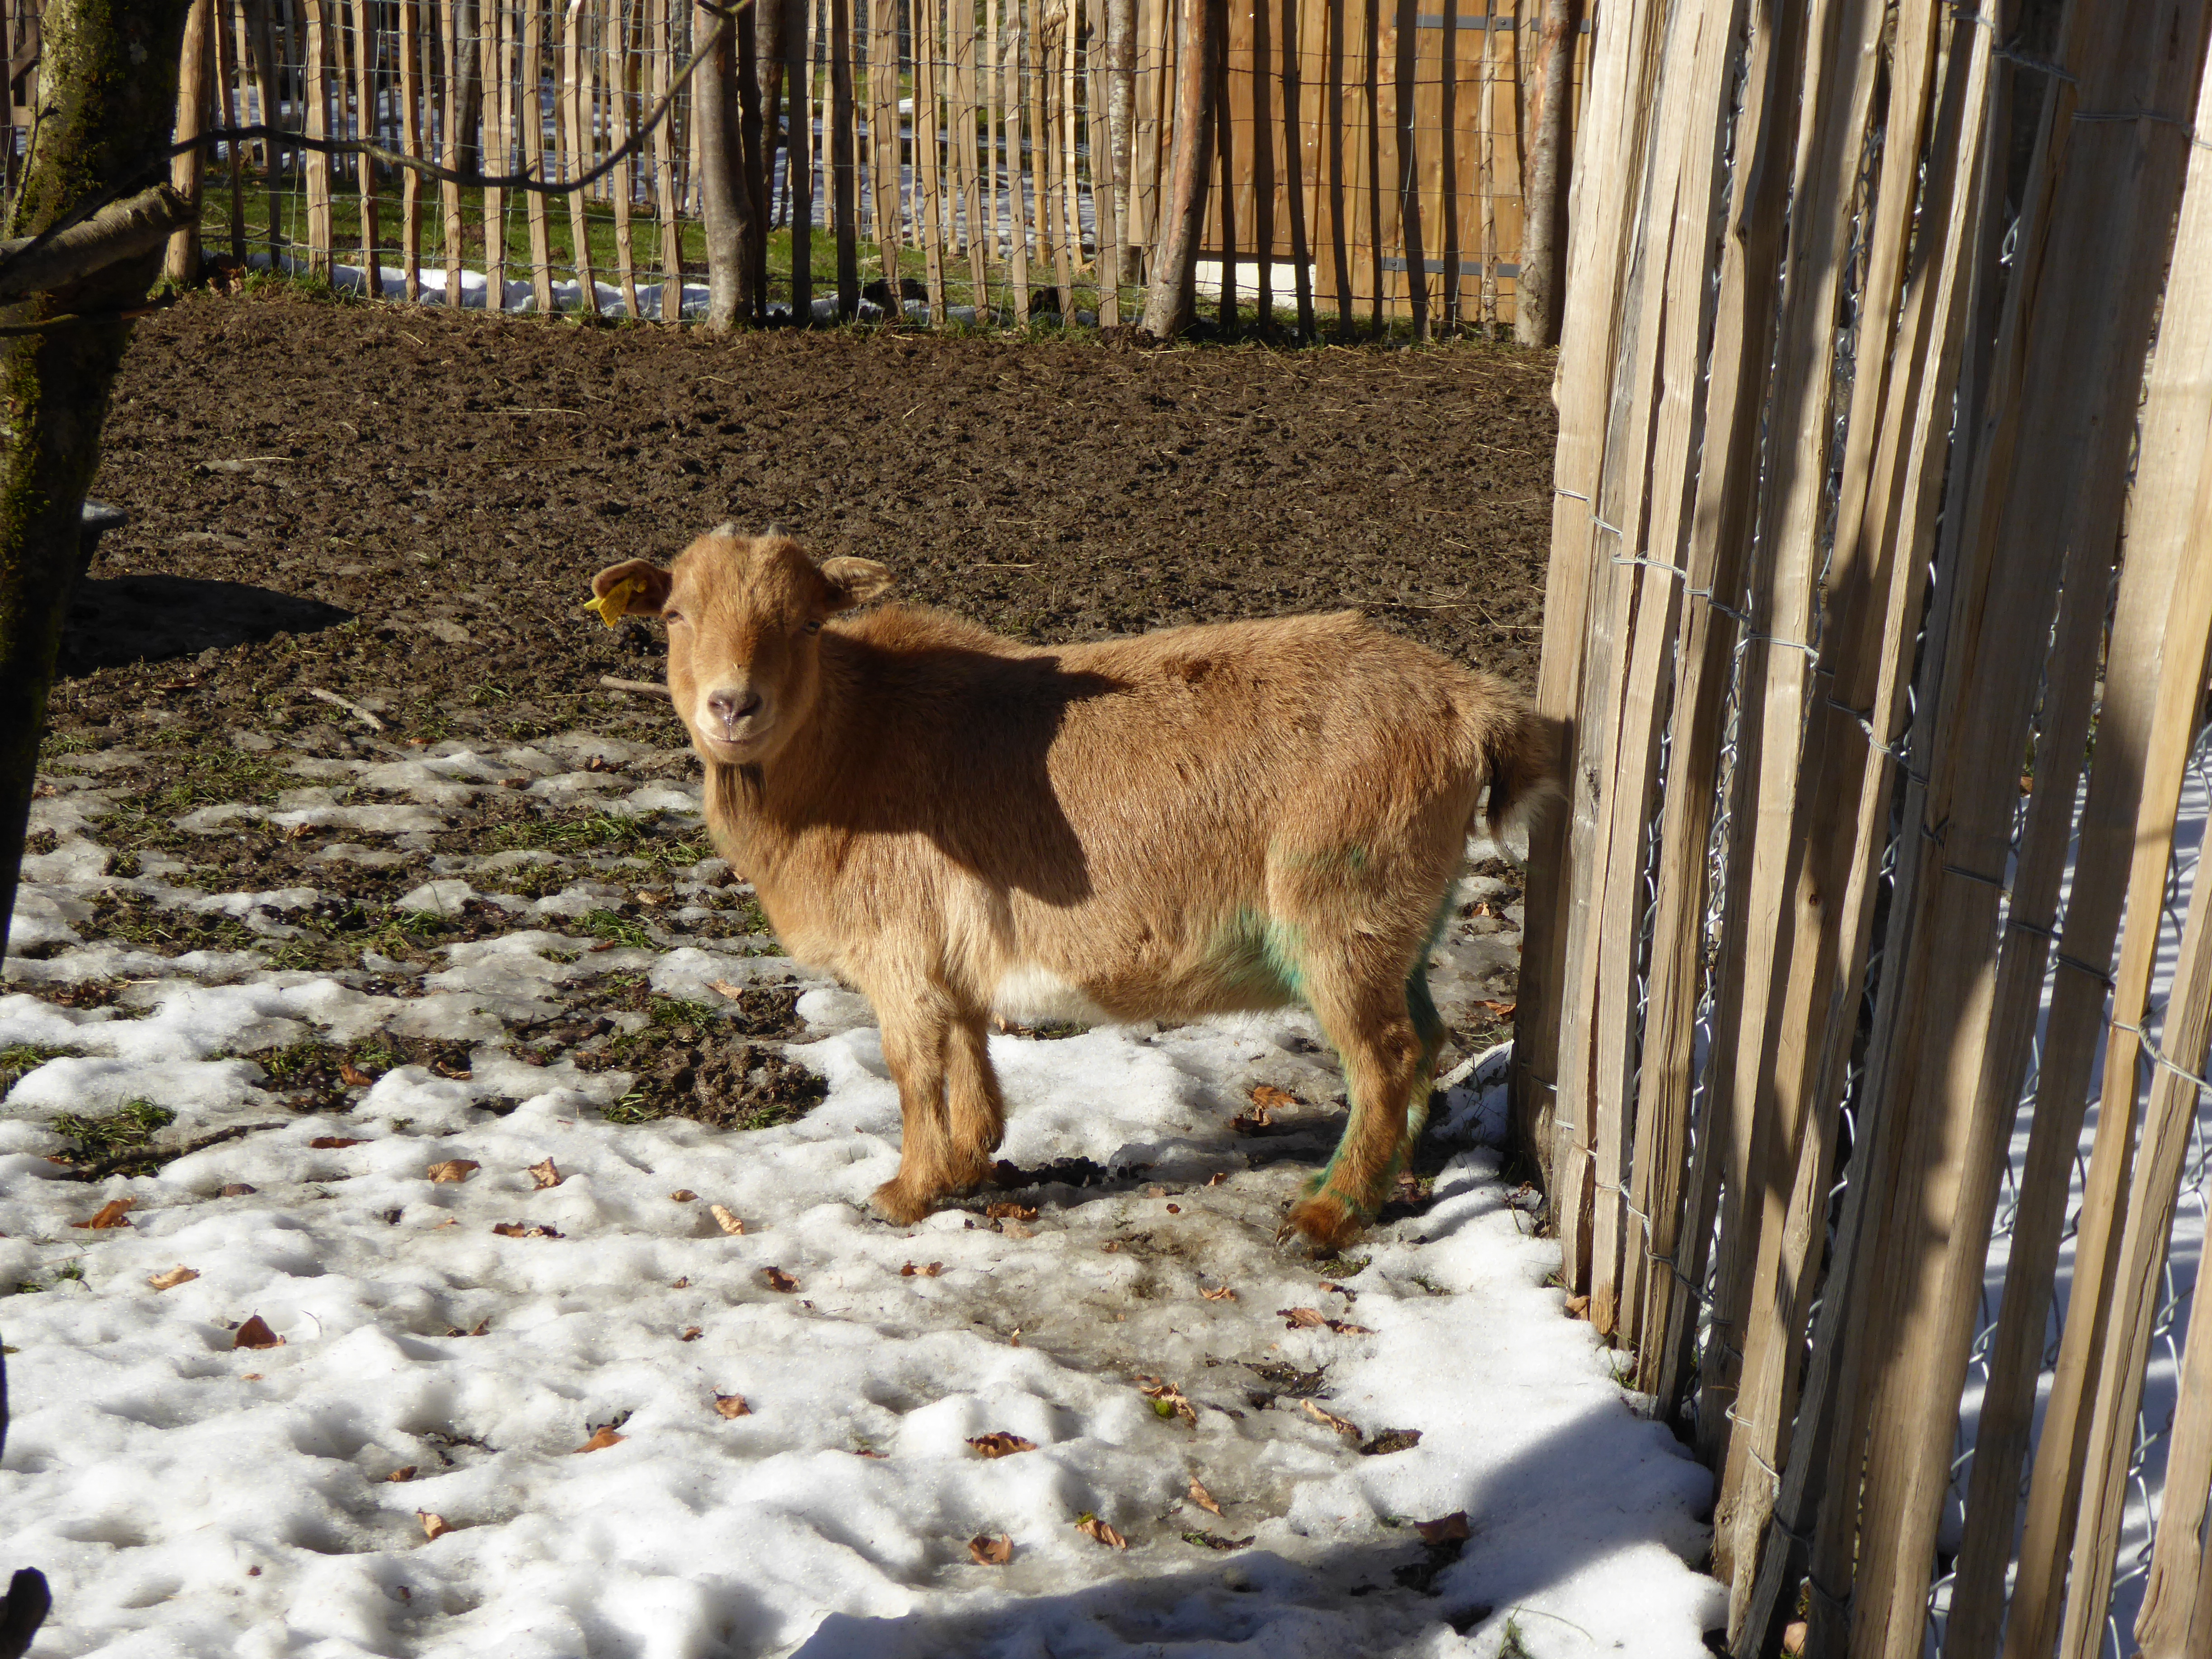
{"x": 230, "y": 84}
{"x": 575, "y": 133}
{"x": 187, "y": 170}
{"x": 365, "y": 126}
{"x": 410, "y": 144}
{"x": 533, "y": 152}
{"x": 1294, "y": 146}
{"x": 928, "y": 176}
{"x": 844, "y": 184}
{"x": 316, "y": 86}
{"x": 616, "y": 30}
{"x": 1103, "y": 185}
{"x": 1018, "y": 216}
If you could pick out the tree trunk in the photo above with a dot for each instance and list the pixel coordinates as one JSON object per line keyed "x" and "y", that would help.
{"x": 107, "y": 98}
{"x": 1172, "y": 306}
{"x": 722, "y": 191}
{"x": 754, "y": 169}
{"x": 1539, "y": 290}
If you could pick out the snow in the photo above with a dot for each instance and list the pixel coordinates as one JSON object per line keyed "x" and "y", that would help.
{"x": 187, "y": 1496}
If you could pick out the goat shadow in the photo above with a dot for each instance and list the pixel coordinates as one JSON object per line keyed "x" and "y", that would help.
{"x": 151, "y": 617}
{"x": 1010, "y": 829}
{"x": 1540, "y": 1517}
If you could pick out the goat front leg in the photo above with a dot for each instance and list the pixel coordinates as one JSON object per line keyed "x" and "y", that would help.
{"x": 918, "y": 1026}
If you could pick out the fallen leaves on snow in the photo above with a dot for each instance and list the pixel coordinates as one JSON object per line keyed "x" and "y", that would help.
{"x": 453, "y": 1170}
{"x": 547, "y": 1174}
{"x": 111, "y": 1214}
{"x": 1445, "y": 1530}
{"x": 1219, "y": 1293}
{"x": 777, "y": 1280}
{"x": 1167, "y": 1399}
{"x": 434, "y": 1526}
{"x": 334, "y": 1143}
{"x": 353, "y": 1076}
{"x": 692, "y": 1333}
{"x": 1577, "y": 1306}
{"x": 732, "y": 1405}
{"x": 174, "y": 1276}
{"x": 1000, "y": 1443}
{"x": 1007, "y": 1210}
{"x": 728, "y": 1222}
{"x": 991, "y": 1551}
{"x": 1099, "y": 1530}
{"x": 255, "y": 1334}
{"x": 684, "y": 1195}
{"x": 405, "y": 1472}
{"x": 929, "y": 1272}
{"x": 524, "y": 1229}
{"x": 722, "y": 988}
{"x": 1503, "y": 1009}
{"x": 1307, "y": 1319}
{"x": 1203, "y": 1498}
{"x": 601, "y": 1439}
{"x": 1330, "y": 1419}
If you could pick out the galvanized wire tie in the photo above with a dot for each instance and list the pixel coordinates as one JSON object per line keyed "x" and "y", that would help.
{"x": 2149, "y": 1046}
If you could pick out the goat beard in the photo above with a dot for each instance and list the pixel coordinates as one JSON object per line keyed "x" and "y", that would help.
{"x": 737, "y": 788}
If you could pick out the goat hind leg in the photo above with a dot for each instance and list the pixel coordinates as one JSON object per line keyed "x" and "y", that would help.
{"x": 1384, "y": 1061}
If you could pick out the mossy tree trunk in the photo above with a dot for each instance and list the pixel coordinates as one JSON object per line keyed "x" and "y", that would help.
{"x": 106, "y": 99}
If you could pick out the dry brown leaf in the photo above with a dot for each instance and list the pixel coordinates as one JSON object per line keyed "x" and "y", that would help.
{"x": 683, "y": 1284}
{"x": 728, "y": 1222}
{"x": 1203, "y": 1498}
{"x": 353, "y": 1076}
{"x": 524, "y": 1229}
{"x": 547, "y": 1174}
{"x": 1251, "y": 1122}
{"x": 1217, "y": 1177}
{"x": 1017, "y": 1230}
{"x": 111, "y": 1214}
{"x": 722, "y": 988}
{"x": 1346, "y": 1327}
{"x": 732, "y": 1405}
{"x": 1302, "y": 1319}
{"x": 1219, "y": 1293}
{"x": 453, "y": 1069}
{"x": 1000, "y": 1443}
{"x": 991, "y": 1551}
{"x": 1444, "y": 1530}
{"x": 1099, "y": 1530}
{"x": 692, "y": 1334}
{"x": 1793, "y": 1639}
{"x": 870, "y": 1451}
{"x": 434, "y": 1526}
{"x": 482, "y": 1327}
{"x": 251, "y": 1376}
{"x": 602, "y": 1438}
{"x": 1503, "y": 1009}
{"x": 1577, "y": 1306}
{"x": 333, "y": 1143}
{"x": 255, "y": 1334}
{"x": 174, "y": 1276}
{"x": 1330, "y": 1419}
{"x": 453, "y": 1170}
{"x": 405, "y": 1472}
{"x": 1007, "y": 1210}
{"x": 1166, "y": 1399}
{"x": 1268, "y": 1098}
{"x": 684, "y": 1195}
{"x": 779, "y": 1280}
{"x": 930, "y": 1271}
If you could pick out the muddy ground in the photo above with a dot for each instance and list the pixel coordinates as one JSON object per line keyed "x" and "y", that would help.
{"x": 403, "y": 510}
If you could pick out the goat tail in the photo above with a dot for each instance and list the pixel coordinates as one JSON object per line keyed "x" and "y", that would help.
{"x": 1520, "y": 752}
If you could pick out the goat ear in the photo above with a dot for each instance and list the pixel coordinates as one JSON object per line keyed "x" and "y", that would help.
{"x": 643, "y": 590}
{"x": 853, "y": 581}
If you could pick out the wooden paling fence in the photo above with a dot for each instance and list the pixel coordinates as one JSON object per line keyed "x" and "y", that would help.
{"x": 1878, "y": 621}
{"x": 1354, "y": 141}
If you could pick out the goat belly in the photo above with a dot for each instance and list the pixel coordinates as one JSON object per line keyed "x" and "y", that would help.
{"x": 1028, "y": 992}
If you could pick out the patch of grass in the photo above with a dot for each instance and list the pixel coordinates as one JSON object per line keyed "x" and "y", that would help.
{"x": 22, "y": 1057}
{"x": 1342, "y": 1267}
{"x": 616, "y": 930}
{"x": 132, "y": 1124}
{"x": 636, "y": 1107}
{"x": 532, "y": 881}
{"x": 58, "y": 744}
{"x": 676, "y": 1013}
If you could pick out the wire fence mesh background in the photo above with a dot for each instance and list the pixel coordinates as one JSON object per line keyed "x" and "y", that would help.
{"x": 1397, "y": 129}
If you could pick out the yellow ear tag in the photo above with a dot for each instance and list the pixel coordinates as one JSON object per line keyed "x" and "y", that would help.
{"x": 614, "y": 604}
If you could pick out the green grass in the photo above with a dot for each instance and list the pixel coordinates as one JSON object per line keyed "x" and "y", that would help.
{"x": 616, "y": 930}
{"x": 132, "y": 1124}
{"x": 22, "y": 1057}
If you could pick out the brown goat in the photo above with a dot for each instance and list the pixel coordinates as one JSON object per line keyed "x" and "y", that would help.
{"x": 1191, "y": 822}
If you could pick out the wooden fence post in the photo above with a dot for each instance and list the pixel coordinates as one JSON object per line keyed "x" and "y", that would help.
{"x": 844, "y": 184}
{"x": 1172, "y": 306}
{"x": 187, "y": 171}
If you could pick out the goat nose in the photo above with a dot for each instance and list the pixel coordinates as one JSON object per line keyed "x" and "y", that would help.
{"x": 731, "y": 707}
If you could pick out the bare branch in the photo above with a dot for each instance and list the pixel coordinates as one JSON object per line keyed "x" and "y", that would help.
{"x": 32, "y": 265}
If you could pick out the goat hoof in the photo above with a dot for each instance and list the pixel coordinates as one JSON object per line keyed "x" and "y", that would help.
{"x": 900, "y": 1204}
{"x": 1327, "y": 1222}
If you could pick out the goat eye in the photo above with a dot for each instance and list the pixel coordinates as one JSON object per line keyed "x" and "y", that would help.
{"x": 672, "y": 616}
{"x": 814, "y": 627}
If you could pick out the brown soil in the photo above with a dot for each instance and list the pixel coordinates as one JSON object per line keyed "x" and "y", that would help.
{"x": 452, "y": 484}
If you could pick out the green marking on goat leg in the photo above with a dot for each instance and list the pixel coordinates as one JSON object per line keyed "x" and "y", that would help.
{"x": 1257, "y": 951}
